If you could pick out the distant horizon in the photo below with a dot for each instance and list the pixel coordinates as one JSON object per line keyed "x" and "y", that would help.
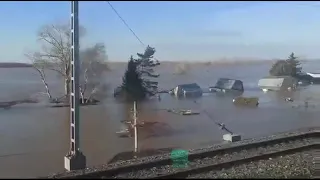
{"x": 189, "y": 61}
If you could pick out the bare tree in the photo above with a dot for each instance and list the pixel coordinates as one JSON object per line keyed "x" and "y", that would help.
{"x": 55, "y": 55}
{"x": 39, "y": 67}
{"x": 93, "y": 63}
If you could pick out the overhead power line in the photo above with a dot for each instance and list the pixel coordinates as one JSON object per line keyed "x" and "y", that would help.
{"x": 125, "y": 23}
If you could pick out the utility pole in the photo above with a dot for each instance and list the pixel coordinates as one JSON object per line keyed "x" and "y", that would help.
{"x": 74, "y": 159}
{"x": 135, "y": 127}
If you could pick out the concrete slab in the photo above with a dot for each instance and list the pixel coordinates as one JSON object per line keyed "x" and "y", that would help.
{"x": 232, "y": 137}
{"x": 75, "y": 162}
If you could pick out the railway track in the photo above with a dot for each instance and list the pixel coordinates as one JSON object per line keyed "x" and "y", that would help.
{"x": 185, "y": 173}
{"x": 201, "y": 163}
{"x": 206, "y": 160}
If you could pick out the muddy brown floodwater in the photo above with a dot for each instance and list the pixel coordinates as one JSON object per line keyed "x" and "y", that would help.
{"x": 34, "y": 139}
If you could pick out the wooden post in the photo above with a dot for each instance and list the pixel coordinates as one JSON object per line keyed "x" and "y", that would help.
{"x": 135, "y": 127}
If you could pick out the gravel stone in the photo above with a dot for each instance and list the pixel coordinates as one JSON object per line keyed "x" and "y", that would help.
{"x": 297, "y": 165}
{"x": 150, "y": 172}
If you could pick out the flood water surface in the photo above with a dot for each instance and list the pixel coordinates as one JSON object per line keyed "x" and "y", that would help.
{"x": 34, "y": 138}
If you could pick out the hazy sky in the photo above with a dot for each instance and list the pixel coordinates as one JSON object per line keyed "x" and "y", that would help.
{"x": 178, "y": 30}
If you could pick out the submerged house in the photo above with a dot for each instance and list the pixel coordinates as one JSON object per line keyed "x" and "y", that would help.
{"x": 187, "y": 90}
{"x": 304, "y": 78}
{"x": 315, "y": 78}
{"x": 277, "y": 83}
{"x": 227, "y": 85}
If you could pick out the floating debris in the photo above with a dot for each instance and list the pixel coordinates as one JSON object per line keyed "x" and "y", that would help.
{"x": 246, "y": 101}
{"x": 124, "y": 133}
{"x": 183, "y": 112}
{"x": 288, "y": 99}
{"x": 188, "y": 112}
{"x": 126, "y": 121}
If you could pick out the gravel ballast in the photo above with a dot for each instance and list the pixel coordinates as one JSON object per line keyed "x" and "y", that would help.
{"x": 220, "y": 158}
{"x": 297, "y": 165}
{"x": 104, "y": 167}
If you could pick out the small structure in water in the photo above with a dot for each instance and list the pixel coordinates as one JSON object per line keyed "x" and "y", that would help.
{"x": 187, "y": 90}
{"x": 228, "y": 85}
{"x": 232, "y": 137}
{"x": 246, "y": 101}
{"x": 277, "y": 83}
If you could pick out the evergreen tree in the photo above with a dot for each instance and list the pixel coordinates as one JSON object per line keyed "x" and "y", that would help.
{"x": 132, "y": 83}
{"x": 294, "y": 64}
{"x": 289, "y": 67}
{"x": 136, "y": 83}
{"x": 146, "y": 64}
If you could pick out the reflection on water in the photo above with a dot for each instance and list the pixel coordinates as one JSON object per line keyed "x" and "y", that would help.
{"x": 35, "y": 138}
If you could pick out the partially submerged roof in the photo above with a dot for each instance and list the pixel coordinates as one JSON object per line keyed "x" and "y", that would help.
{"x": 277, "y": 82}
{"x": 314, "y": 75}
{"x": 303, "y": 76}
{"x": 276, "y": 77}
{"x": 226, "y": 83}
{"x": 271, "y": 82}
{"x": 186, "y": 90}
{"x": 189, "y": 86}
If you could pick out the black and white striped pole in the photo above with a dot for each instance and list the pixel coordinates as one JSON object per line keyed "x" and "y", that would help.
{"x": 74, "y": 159}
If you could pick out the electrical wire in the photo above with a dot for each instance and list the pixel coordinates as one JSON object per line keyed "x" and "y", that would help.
{"x": 221, "y": 125}
{"x": 125, "y": 23}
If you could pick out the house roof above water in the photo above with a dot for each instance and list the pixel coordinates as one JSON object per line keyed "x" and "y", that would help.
{"x": 226, "y": 83}
{"x": 276, "y": 82}
{"x": 189, "y": 86}
{"x": 314, "y": 75}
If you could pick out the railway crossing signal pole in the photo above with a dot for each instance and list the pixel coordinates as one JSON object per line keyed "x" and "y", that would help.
{"x": 74, "y": 159}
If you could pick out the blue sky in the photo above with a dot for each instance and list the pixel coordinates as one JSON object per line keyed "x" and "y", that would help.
{"x": 193, "y": 31}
